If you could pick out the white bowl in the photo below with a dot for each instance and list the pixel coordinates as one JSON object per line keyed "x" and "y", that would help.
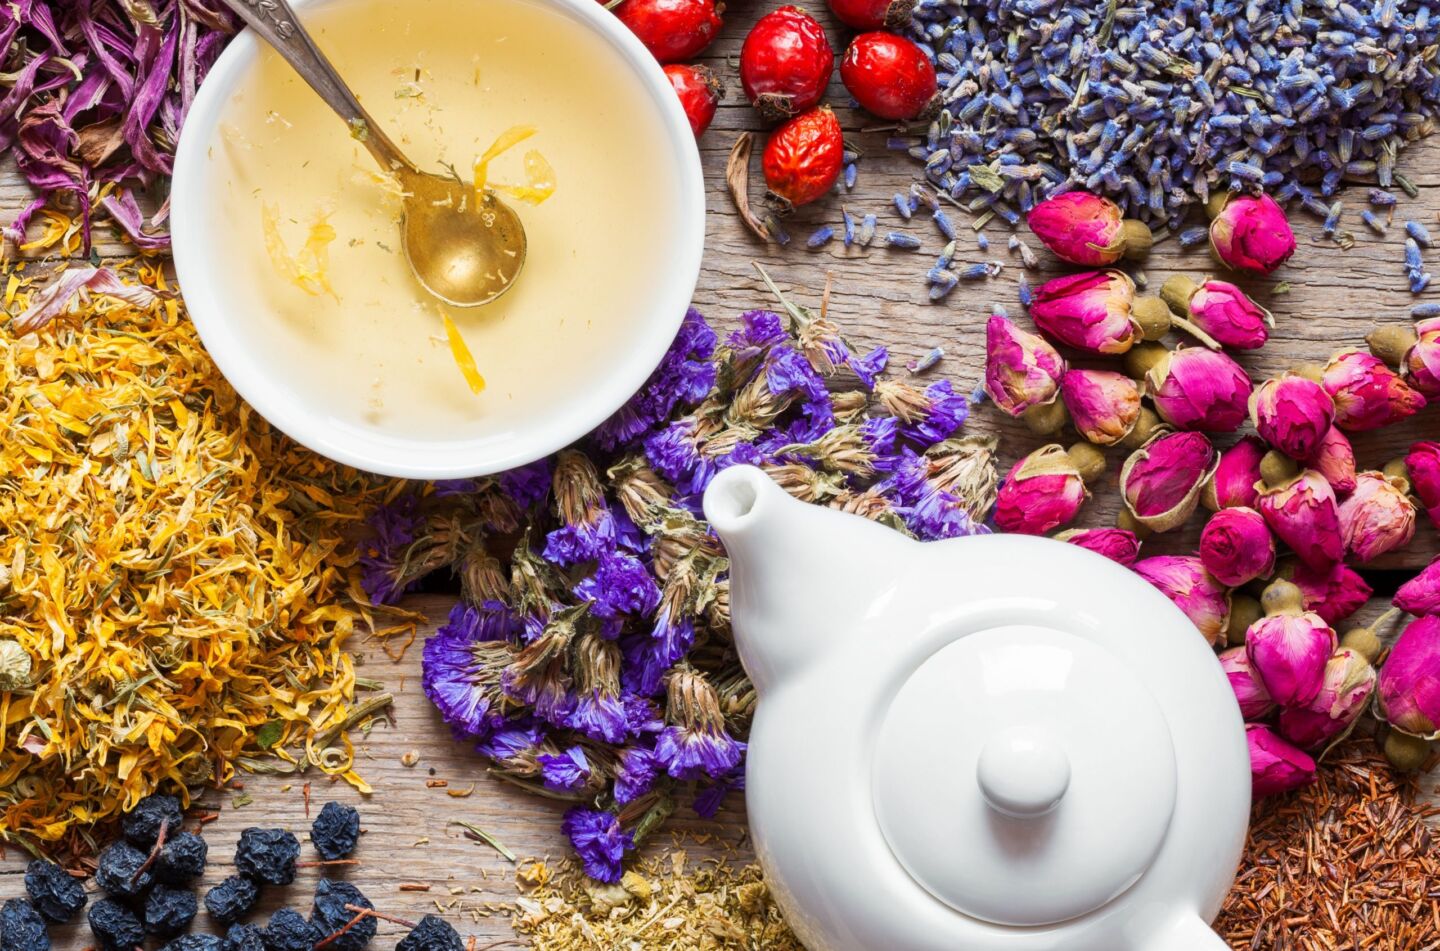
{"x": 242, "y": 357}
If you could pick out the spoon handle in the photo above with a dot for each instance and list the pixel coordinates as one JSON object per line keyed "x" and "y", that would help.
{"x": 276, "y": 23}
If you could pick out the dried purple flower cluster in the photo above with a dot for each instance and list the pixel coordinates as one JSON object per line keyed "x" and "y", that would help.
{"x": 591, "y": 658}
{"x": 94, "y": 98}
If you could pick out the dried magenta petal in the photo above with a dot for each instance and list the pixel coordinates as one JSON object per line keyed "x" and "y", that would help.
{"x": 1021, "y": 369}
{"x": 1089, "y": 311}
{"x": 1409, "y": 689}
{"x": 1422, "y": 464}
{"x": 1421, "y": 594}
{"x": 1304, "y": 514}
{"x": 1335, "y": 460}
{"x": 1161, "y": 482}
{"x": 1251, "y": 234}
{"x": 1368, "y": 394}
{"x": 1289, "y": 647}
{"x": 1293, "y": 414}
{"x": 1422, "y": 364}
{"x": 1087, "y": 229}
{"x": 1196, "y": 388}
{"x": 1103, "y": 405}
{"x": 1275, "y": 765}
{"x": 1250, "y": 693}
{"x": 1184, "y": 580}
{"x": 1221, "y": 310}
{"x": 1041, "y": 493}
{"x": 1236, "y": 546}
{"x": 1347, "y": 684}
{"x": 1378, "y": 517}
{"x": 1236, "y": 475}
{"x": 1117, "y": 544}
{"x": 1334, "y": 593}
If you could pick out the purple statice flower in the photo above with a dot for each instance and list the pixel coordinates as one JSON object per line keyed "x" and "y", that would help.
{"x": 869, "y": 367}
{"x": 600, "y": 715}
{"x": 759, "y": 331}
{"x": 939, "y": 514}
{"x": 528, "y": 485}
{"x": 462, "y": 664}
{"x": 946, "y": 412}
{"x": 491, "y": 621}
{"x": 447, "y": 488}
{"x": 620, "y": 585}
{"x": 587, "y": 524}
{"x": 695, "y": 744}
{"x": 684, "y": 377}
{"x": 908, "y": 481}
{"x": 512, "y": 743}
{"x": 675, "y": 453}
{"x": 628, "y": 535}
{"x": 635, "y": 774}
{"x": 641, "y": 715}
{"x": 880, "y": 434}
{"x": 787, "y": 372}
{"x": 564, "y": 772}
{"x": 599, "y": 841}
{"x": 586, "y": 541}
{"x": 540, "y": 674}
{"x": 394, "y": 526}
{"x": 709, "y": 798}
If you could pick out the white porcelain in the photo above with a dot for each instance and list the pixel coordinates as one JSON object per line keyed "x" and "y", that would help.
{"x": 999, "y": 743}
{"x": 242, "y": 359}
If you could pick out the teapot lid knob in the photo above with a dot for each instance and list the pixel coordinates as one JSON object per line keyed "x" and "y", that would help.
{"x": 1022, "y": 772}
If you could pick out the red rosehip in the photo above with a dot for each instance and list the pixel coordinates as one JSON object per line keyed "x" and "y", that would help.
{"x": 672, "y": 30}
{"x": 785, "y": 63}
{"x": 699, "y": 92}
{"x": 890, "y": 76}
{"x": 804, "y": 156}
{"x": 873, "y": 14}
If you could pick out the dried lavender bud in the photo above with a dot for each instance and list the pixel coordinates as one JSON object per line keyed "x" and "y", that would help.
{"x": 56, "y": 893}
{"x": 181, "y": 859}
{"x": 1418, "y": 231}
{"x": 244, "y": 937}
{"x": 820, "y": 237}
{"x": 899, "y": 239}
{"x": 169, "y": 910}
{"x": 118, "y": 868}
{"x": 195, "y": 942}
{"x": 142, "y": 825}
{"x": 232, "y": 899}
{"x": 267, "y": 855}
{"x": 287, "y": 930}
{"x": 335, "y": 831}
{"x": 433, "y": 933}
{"x": 115, "y": 926}
{"x": 22, "y": 928}
{"x": 329, "y": 914}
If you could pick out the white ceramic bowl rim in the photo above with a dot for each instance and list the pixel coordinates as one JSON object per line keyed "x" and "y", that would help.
{"x": 678, "y": 269}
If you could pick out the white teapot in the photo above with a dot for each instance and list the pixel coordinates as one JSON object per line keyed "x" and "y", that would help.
{"x": 1000, "y": 743}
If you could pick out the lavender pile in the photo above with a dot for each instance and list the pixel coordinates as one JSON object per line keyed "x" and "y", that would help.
{"x": 590, "y": 659}
{"x": 1160, "y": 104}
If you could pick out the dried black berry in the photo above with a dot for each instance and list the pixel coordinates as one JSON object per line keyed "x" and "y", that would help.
{"x": 433, "y": 933}
{"x": 288, "y": 930}
{"x": 22, "y": 928}
{"x": 182, "y": 858}
{"x": 116, "y": 873}
{"x": 267, "y": 855}
{"x": 115, "y": 926}
{"x": 56, "y": 893}
{"x": 194, "y": 942}
{"x": 330, "y": 914}
{"x": 142, "y": 825}
{"x": 244, "y": 938}
{"x": 169, "y": 910}
{"x": 335, "y": 831}
{"x": 232, "y": 899}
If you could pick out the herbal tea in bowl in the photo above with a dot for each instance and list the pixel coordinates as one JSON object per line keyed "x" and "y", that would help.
{"x": 288, "y": 241}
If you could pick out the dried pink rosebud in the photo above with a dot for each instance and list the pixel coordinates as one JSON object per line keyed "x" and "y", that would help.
{"x": 1275, "y": 766}
{"x": 1335, "y": 460}
{"x": 1236, "y": 546}
{"x": 1184, "y": 580}
{"x": 1292, "y": 413}
{"x": 1236, "y": 475}
{"x": 1089, "y": 311}
{"x": 1334, "y": 593}
{"x": 1377, "y": 517}
{"x": 1421, "y": 594}
{"x": 1409, "y": 687}
{"x": 1345, "y": 687}
{"x": 1221, "y": 310}
{"x": 1042, "y": 492}
{"x": 1367, "y": 393}
{"x": 1021, "y": 369}
{"x": 1196, "y": 388}
{"x": 1086, "y": 229}
{"x": 1414, "y": 351}
{"x": 1303, "y": 513}
{"x": 1289, "y": 646}
{"x": 1422, "y": 464}
{"x": 1104, "y": 405}
{"x": 1117, "y": 544}
{"x": 1255, "y": 702}
{"x": 1250, "y": 233}
{"x": 1161, "y": 482}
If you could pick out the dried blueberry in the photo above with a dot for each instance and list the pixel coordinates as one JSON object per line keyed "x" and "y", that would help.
{"x": 329, "y": 914}
{"x": 288, "y": 930}
{"x": 433, "y": 933}
{"x": 181, "y": 859}
{"x": 142, "y": 825}
{"x": 244, "y": 938}
{"x": 232, "y": 899}
{"x": 22, "y": 928}
{"x": 194, "y": 942}
{"x": 115, "y": 926}
{"x": 335, "y": 831}
{"x": 169, "y": 910}
{"x": 267, "y": 855}
{"x": 56, "y": 893}
{"x": 119, "y": 871}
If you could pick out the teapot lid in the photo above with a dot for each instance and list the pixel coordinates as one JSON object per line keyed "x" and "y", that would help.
{"x": 1024, "y": 775}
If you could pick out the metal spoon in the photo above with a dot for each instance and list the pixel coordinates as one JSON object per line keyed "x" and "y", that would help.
{"x": 465, "y": 252}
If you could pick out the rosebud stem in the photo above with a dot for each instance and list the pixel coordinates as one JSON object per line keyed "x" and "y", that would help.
{"x": 1180, "y": 323}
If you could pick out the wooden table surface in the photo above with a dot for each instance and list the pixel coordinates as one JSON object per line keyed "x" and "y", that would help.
{"x": 1334, "y": 298}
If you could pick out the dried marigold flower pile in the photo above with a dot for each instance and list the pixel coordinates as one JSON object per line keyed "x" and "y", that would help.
{"x": 173, "y": 572}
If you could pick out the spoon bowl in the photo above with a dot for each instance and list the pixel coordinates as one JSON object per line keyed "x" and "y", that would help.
{"x": 463, "y": 251}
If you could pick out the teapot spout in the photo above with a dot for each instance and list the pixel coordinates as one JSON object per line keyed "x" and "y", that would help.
{"x": 801, "y": 576}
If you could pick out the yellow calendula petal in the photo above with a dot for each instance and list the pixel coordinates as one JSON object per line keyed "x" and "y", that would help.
{"x": 464, "y": 359}
{"x": 540, "y": 178}
{"x": 309, "y": 269}
{"x": 507, "y": 140}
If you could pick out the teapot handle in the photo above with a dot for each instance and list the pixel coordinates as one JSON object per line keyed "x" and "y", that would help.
{"x": 1189, "y": 932}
